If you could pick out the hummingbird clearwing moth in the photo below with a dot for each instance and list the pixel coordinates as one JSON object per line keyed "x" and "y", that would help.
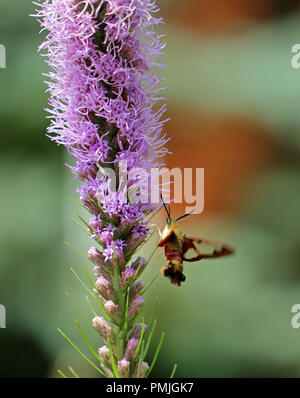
{"x": 178, "y": 247}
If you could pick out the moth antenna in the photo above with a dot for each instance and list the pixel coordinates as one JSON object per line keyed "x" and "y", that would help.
{"x": 168, "y": 213}
{"x": 153, "y": 215}
{"x": 188, "y": 214}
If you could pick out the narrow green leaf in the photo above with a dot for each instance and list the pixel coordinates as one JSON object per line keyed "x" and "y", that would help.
{"x": 73, "y": 372}
{"x": 88, "y": 276}
{"x": 113, "y": 362}
{"x": 125, "y": 327}
{"x": 77, "y": 202}
{"x": 173, "y": 371}
{"x": 91, "y": 306}
{"x": 108, "y": 219}
{"x": 82, "y": 283}
{"x": 82, "y": 220}
{"x": 90, "y": 228}
{"x": 148, "y": 285}
{"x": 156, "y": 353}
{"x": 116, "y": 258}
{"x": 62, "y": 374}
{"x": 153, "y": 311}
{"x": 76, "y": 250}
{"x": 87, "y": 341}
{"x": 77, "y": 308}
{"x": 140, "y": 342}
{"x": 139, "y": 368}
{"x": 78, "y": 350}
{"x": 92, "y": 200}
{"x": 149, "y": 339}
{"x": 103, "y": 212}
{"x": 137, "y": 271}
{"x": 80, "y": 226}
{"x": 151, "y": 255}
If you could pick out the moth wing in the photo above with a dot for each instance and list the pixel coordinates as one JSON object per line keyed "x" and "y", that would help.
{"x": 205, "y": 248}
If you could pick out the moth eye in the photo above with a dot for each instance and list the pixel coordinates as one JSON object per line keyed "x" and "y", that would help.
{"x": 182, "y": 278}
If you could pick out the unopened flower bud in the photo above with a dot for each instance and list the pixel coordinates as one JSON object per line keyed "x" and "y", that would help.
{"x": 86, "y": 170}
{"x": 131, "y": 348}
{"x": 112, "y": 310}
{"x": 105, "y": 288}
{"x": 136, "y": 289}
{"x": 98, "y": 258}
{"x": 137, "y": 331}
{"x": 107, "y": 235}
{"x": 96, "y": 223}
{"x": 135, "y": 307}
{"x": 137, "y": 237}
{"x": 127, "y": 278}
{"x": 99, "y": 272}
{"x": 101, "y": 298}
{"x": 104, "y": 328}
{"x": 108, "y": 373}
{"x": 90, "y": 204}
{"x": 104, "y": 355}
{"x": 124, "y": 368}
{"x": 141, "y": 371}
{"x": 140, "y": 265}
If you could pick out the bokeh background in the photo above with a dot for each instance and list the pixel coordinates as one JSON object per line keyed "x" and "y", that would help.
{"x": 233, "y": 99}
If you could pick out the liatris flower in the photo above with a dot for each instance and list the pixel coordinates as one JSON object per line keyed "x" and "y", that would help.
{"x": 124, "y": 368}
{"x": 103, "y": 90}
{"x": 141, "y": 370}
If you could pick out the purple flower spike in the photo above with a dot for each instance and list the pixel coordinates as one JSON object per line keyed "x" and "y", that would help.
{"x": 104, "y": 108}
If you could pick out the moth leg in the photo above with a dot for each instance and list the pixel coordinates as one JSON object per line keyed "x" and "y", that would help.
{"x": 159, "y": 231}
{"x": 160, "y": 252}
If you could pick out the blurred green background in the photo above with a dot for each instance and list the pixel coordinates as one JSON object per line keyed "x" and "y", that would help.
{"x": 234, "y": 103}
